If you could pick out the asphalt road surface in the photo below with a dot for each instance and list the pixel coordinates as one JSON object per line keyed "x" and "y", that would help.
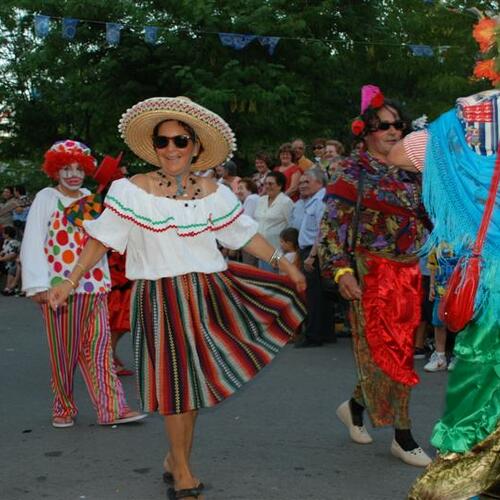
{"x": 277, "y": 439}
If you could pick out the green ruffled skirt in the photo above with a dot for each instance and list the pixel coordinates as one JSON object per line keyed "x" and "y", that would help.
{"x": 473, "y": 396}
{"x": 468, "y": 435}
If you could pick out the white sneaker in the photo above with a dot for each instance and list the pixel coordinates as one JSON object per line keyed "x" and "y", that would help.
{"x": 437, "y": 362}
{"x": 133, "y": 417}
{"x": 452, "y": 364}
{"x": 358, "y": 433}
{"x": 416, "y": 457}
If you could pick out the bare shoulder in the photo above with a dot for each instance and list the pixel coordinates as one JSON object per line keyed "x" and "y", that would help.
{"x": 142, "y": 180}
{"x": 207, "y": 185}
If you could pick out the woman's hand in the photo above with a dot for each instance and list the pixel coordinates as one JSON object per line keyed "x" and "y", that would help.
{"x": 297, "y": 278}
{"x": 59, "y": 294}
{"x": 309, "y": 264}
{"x": 349, "y": 287}
{"x": 41, "y": 297}
{"x": 432, "y": 294}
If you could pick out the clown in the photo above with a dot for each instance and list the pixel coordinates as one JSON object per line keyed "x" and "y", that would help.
{"x": 78, "y": 332}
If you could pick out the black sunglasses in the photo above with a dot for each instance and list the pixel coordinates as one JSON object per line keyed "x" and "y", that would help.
{"x": 398, "y": 125}
{"x": 318, "y": 146}
{"x": 162, "y": 141}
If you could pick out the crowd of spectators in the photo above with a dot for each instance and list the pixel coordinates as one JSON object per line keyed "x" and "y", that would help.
{"x": 13, "y": 213}
{"x": 285, "y": 197}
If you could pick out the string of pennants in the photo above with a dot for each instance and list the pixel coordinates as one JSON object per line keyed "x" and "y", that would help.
{"x": 236, "y": 41}
{"x": 113, "y": 33}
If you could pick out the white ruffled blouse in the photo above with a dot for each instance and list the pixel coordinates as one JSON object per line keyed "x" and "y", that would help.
{"x": 164, "y": 237}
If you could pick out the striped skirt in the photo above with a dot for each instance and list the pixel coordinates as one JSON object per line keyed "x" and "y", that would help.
{"x": 199, "y": 337}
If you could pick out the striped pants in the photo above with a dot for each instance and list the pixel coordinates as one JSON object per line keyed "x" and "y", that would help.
{"x": 79, "y": 333}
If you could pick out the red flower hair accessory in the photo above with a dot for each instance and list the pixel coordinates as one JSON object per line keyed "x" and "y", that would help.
{"x": 377, "y": 101}
{"x": 371, "y": 97}
{"x": 64, "y": 153}
{"x": 358, "y": 127}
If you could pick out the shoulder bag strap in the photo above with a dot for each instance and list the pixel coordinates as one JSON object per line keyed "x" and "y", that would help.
{"x": 356, "y": 216}
{"x": 488, "y": 209}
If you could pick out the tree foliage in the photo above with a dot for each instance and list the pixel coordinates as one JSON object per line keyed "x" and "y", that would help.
{"x": 53, "y": 88}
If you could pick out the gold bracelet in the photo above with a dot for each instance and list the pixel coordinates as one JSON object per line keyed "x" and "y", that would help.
{"x": 274, "y": 261}
{"x": 81, "y": 267}
{"x": 275, "y": 258}
{"x": 340, "y": 272}
{"x": 73, "y": 284}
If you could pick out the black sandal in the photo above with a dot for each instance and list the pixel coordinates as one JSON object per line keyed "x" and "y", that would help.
{"x": 173, "y": 494}
{"x": 168, "y": 478}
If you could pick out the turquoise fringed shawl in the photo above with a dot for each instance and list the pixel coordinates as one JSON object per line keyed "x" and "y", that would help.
{"x": 456, "y": 183}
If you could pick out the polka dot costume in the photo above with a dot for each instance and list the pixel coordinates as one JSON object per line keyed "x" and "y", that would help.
{"x": 63, "y": 245}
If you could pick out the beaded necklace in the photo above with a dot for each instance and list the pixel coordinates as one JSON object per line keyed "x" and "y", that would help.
{"x": 181, "y": 188}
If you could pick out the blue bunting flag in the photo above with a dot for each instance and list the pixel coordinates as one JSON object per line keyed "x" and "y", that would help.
{"x": 422, "y": 50}
{"x": 236, "y": 40}
{"x": 150, "y": 34}
{"x": 113, "y": 33}
{"x": 69, "y": 28}
{"x": 42, "y": 25}
{"x": 270, "y": 42}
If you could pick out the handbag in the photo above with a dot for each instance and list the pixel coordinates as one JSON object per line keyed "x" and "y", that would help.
{"x": 456, "y": 308}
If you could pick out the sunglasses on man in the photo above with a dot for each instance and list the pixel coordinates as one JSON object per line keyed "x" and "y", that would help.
{"x": 180, "y": 141}
{"x": 398, "y": 125}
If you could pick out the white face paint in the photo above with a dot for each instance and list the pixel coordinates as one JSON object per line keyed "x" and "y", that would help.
{"x": 71, "y": 177}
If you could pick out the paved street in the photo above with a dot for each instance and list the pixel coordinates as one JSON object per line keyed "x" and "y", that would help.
{"x": 277, "y": 439}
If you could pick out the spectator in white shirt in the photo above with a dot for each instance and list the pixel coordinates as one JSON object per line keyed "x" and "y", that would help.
{"x": 273, "y": 211}
{"x": 247, "y": 193}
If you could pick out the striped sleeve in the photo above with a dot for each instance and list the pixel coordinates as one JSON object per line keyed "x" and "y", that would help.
{"x": 415, "y": 144}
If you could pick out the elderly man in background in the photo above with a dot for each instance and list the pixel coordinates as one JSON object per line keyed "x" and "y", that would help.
{"x": 299, "y": 148}
{"x": 306, "y": 217}
{"x": 229, "y": 175}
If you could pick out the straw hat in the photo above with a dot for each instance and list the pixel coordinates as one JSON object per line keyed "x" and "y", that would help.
{"x": 137, "y": 124}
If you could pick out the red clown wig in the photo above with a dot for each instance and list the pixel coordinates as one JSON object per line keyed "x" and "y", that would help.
{"x": 64, "y": 153}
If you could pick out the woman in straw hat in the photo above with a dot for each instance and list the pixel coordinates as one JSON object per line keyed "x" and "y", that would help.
{"x": 201, "y": 329}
